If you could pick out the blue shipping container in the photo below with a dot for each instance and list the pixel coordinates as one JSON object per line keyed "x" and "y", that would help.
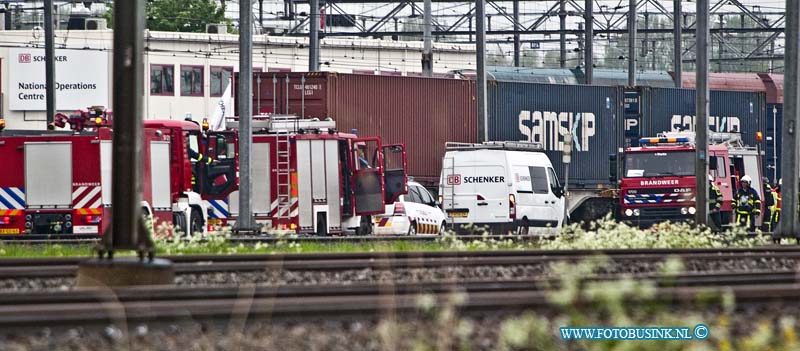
{"x": 772, "y": 141}
{"x": 671, "y": 109}
{"x": 544, "y": 113}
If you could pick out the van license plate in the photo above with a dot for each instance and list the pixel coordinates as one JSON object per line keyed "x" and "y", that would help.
{"x": 10, "y": 231}
{"x": 458, "y": 214}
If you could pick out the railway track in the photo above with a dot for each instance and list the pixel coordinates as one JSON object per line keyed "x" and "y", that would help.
{"x": 759, "y": 291}
{"x": 198, "y": 264}
{"x": 159, "y": 303}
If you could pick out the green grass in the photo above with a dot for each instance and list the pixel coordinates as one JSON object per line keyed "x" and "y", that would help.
{"x": 604, "y": 234}
{"x": 196, "y": 248}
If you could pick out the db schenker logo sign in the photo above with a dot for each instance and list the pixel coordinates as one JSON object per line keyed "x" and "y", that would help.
{"x": 82, "y": 79}
{"x": 453, "y": 179}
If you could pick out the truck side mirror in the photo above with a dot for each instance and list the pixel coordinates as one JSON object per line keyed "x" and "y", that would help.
{"x": 612, "y": 171}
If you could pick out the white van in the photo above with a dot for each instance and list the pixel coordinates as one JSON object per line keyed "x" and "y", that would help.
{"x": 508, "y": 186}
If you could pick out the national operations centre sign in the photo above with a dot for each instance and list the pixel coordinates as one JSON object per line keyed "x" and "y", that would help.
{"x": 81, "y": 79}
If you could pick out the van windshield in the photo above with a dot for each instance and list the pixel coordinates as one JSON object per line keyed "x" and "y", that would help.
{"x": 659, "y": 164}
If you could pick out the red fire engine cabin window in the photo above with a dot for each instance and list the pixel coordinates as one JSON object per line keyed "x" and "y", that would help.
{"x": 191, "y": 80}
{"x": 162, "y": 80}
{"x": 220, "y": 78}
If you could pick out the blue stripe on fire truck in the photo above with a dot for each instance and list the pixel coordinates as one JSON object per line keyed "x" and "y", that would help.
{"x": 12, "y": 198}
{"x": 219, "y": 208}
{"x": 652, "y": 198}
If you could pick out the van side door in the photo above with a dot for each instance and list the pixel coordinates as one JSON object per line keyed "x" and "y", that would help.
{"x": 557, "y": 197}
{"x": 534, "y": 202}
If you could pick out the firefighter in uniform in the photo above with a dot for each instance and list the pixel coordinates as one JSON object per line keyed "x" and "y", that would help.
{"x": 747, "y": 204}
{"x": 714, "y": 203}
{"x": 196, "y": 157}
{"x": 769, "y": 204}
{"x": 200, "y": 158}
{"x": 776, "y": 208}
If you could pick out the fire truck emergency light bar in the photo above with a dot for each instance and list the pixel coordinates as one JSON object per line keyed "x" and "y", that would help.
{"x": 287, "y": 123}
{"x": 653, "y": 141}
{"x": 501, "y": 145}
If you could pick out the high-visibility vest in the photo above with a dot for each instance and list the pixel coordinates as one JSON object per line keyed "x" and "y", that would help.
{"x": 776, "y": 201}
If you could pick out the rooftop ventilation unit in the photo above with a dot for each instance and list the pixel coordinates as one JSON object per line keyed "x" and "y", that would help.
{"x": 217, "y": 28}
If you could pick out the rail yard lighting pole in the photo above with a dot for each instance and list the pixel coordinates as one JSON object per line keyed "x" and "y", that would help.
{"x": 788, "y": 226}
{"x": 480, "y": 51}
{"x": 562, "y": 33}
{"x": 49, "y": 63}
{"x": 589, "y": 47}
{"x": 128, "y": 125}
{"x": 244, "y": 224}
{"x": 517, "y": 44}
{"x": 127, "y": 230}
{"x": 313, "y": 41}
{"x": 677, "y": 13}
{"x": 632, "y": 43}
{"x": 701, "y": 122}
{"x": 427, "y": 52}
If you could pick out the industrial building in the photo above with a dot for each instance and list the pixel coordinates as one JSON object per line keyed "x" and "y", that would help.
{"x": 186, "y": 73}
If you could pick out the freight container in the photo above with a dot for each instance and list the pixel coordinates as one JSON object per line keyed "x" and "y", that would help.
{"x": 670, "y": 109}
{"x": 545, "y": 113}
{"x": 773, "y": 83}
{"x": 772, "y": 141}
{"x": 604, "y": 119}
{"x": 422, "y": 113}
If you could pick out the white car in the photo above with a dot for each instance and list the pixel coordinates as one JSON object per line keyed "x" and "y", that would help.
{"x": 414, "y": 213}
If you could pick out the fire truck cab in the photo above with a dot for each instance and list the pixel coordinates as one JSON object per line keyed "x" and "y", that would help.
{"x": 59, "y": 182}
{"x": 184, "y": 167}
{"x": 310, "y": 178}
{"x": 658, "y": 179}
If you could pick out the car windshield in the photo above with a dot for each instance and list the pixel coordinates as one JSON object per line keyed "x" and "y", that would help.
{"x": 659, "y": 164}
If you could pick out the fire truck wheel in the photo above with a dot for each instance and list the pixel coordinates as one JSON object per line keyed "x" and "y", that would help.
{"x": 443, "y": 228}
{"x": 197, "y": 222}
{"x": 412, "y": 229}
{"x": 179, "y": 220}
{"x": 365, "y": 227}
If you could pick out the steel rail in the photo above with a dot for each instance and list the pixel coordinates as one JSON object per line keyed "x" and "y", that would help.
{"x": 194, "y": 264}
{"x": 152, "y": 293}
{"x": 250, "y": 302}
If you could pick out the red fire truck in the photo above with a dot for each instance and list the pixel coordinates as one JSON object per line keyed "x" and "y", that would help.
{"x": 310, "y": 178}
{"x": 658, "y": 180}
{"x": 59, "y": 182}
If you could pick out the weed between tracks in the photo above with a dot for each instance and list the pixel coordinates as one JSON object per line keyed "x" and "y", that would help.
{"x": 621, "y": 303}
{"x": 603, "y": 234}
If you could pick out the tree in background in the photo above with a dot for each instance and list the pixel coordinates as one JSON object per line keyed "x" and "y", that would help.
{"x": 179, "y": 15}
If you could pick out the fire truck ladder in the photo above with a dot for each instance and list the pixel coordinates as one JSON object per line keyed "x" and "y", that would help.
{"x": 283, "y": 168}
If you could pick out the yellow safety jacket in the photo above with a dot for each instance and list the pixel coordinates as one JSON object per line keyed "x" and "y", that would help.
{"x": 714, "y": 197}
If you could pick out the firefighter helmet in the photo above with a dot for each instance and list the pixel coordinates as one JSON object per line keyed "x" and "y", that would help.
{"x": 780, "y": 182}
{"x": 747, "y": 178}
